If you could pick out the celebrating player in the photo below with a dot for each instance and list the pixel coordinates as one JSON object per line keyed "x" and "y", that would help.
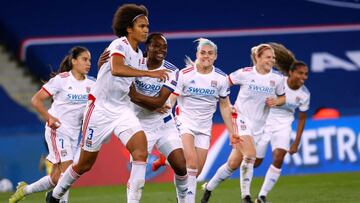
{"x": 278, "y": 124}
{"x": 69, "y": 91}
{"x": 261, "y": 88}
{"x": 200, "y": 86}
{"x": 150, "y": 94}
{"x": 108, "y": 111}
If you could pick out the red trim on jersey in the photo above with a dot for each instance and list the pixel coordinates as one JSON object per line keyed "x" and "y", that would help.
{"x": 43, "y": 88}
{"x": 186, "y": 70}
{"x": 64, "y": 74}
{"x": 53, "y": 143}
{"x": 231, "y": 82}
{"x": 117, "y": 54}
{"x": 91, "y": 97}
{"x": 175, "y": 93}
{"x": 246, "y": 69}
{"x": 87, "y": 118}
{"x": 177, "y": 110}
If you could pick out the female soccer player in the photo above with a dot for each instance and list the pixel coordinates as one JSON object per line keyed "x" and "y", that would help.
{"x": 261, "y": 88}
{"x": 278, "y": 124}
{"x": 108, "y": 111}
{"x": 69, "y": 91}
{"x": 200, "y": 86}
{"x": 150, "y": 94}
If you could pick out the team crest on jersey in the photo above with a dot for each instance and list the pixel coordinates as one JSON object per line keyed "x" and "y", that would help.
{"x": 297, "y": 100}
{"x": 63, "y": 152}
{"x": 125, "y": 41}
{"x": 272, "y": 83}
{"x": 213, "y": 83}
{"x": 69, "y": 88}
{"x": 120, "y": 48}
{"x": 88, "y": 89}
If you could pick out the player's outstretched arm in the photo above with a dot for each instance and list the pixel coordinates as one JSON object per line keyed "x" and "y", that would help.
{"x": 300, "y": 129}
{"x": 120, "y": 69}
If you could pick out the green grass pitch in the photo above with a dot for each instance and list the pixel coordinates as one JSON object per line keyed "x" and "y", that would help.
{"x": 321, "y": 188}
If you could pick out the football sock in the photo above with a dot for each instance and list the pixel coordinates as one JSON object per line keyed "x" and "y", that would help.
{"x": 246, "y": 174}
{"x": 136, "y": 181}
{"x": 272, "y": 176}
{"x": 223, "y": 173}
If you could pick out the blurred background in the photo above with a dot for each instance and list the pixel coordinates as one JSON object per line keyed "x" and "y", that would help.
{"x": 36, "y": 35}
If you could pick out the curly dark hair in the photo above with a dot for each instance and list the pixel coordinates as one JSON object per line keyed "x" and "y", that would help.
{"x": 284, "y": 57}
{"x": 124, "y": 18}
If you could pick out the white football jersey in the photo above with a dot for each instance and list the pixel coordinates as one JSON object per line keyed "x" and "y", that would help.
{"x": 151, "y": 87}
{"x": 198, "y": 96}
{"x": 111, "y": 92}
{"x": 254, "y": 89}
{"x": 69, "y": 98}
{"x": 284, "y": 115}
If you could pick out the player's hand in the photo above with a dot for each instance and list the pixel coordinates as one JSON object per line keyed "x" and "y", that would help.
{"x": 270, "y": 102}
{"x": 162, "y": 74}
{"x": 233, "y": 110}
{"x": 164, "y": 109}
{"x": 53, "y": 122}
{"x": 104, "y": 57}
{"x": 294, "y": 148}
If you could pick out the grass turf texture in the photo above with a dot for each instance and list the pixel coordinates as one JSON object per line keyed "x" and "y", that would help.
{"x": 339, "y": 187}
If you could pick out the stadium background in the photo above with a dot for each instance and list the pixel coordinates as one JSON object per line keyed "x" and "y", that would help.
{"x": 323, "y": 33}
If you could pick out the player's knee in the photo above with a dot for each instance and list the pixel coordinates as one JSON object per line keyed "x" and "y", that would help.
{"x": 54, "y": 178}
{"x": 139, "y": 155}
{"x": 84, "y": 168}
{"x": 180, "y": 169}
{"x": 234, "y": 164}
{"x": 179, "y": 166}
{"x": 258, "y": 162}
{"x": 278, "y": 161}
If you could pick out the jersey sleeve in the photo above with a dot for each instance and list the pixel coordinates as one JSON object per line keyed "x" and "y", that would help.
{"x": 305, "y": 105}
{"x": 171, "y": 83}
{"x": 180, "y": 83}
{"x": 53, "y": 86}
{"x": 118, "y": 47}
{"x": 224, "y": 90}
{"x": 280, "y": 88}
{"x": 237, "y": 77}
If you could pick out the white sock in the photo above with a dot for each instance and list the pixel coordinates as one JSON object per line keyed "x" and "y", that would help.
{"x": 223, "y": 173}
{"x": 68, "y": 178}
{"x": 272, "y": 175}
{"x": 136, "y": 181}
{"x": 65, "y": 197}
{"x": 181, "y": 184}
{"x": 191, "y": 194}
{"x": 42, "y": 184}
{"x": 246, "y": 174}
